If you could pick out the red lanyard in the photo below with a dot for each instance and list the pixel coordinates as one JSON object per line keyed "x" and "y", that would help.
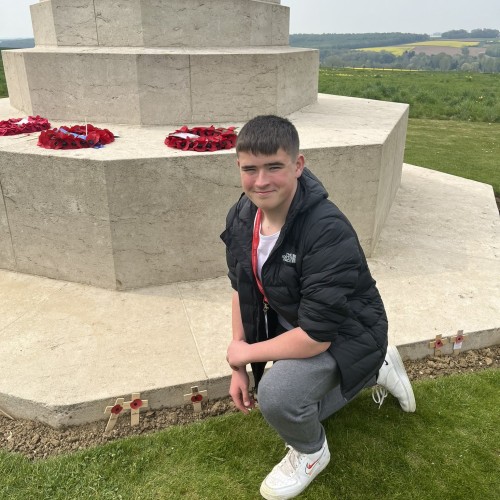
{"x": 255, "y": 247}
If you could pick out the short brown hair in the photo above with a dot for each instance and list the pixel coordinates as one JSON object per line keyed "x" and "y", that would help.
{"x": 265, "y": 134}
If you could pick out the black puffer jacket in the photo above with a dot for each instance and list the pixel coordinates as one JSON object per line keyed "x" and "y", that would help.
{"x": 317, "y": 278}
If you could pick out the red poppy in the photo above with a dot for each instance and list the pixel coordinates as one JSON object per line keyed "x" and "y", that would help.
{"x": 196, "y": 398}
{"x": 92, "y": 138}
{"x": 117, "y": 409}
{"x": 135, "y": 404}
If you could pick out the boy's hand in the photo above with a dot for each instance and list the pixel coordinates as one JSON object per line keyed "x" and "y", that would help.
{"x": 239, "y": 391}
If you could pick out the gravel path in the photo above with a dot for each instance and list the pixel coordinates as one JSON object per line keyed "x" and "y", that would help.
{"x": 37, "y": 441}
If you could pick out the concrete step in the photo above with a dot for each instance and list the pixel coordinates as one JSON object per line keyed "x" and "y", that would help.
{"x": 159, "y": 86}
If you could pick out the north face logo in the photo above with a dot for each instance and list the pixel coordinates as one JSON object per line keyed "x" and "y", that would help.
{"x": 289, "y": 258}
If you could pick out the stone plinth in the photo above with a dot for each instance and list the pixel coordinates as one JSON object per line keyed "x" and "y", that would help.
{"x": 141, "y": 86}
{"x": 137, "y": 213}
{"x": 160, "y": 62}
{"x": 160, "y": 23}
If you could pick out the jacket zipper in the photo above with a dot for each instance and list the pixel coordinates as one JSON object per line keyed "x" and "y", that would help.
{"x": 266, "y": 308}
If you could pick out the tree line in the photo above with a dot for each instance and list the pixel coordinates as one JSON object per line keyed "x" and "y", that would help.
{"x": 339, "y": 41}
{"x": 477, "y": 33}
{"x": 484, "y": 63}
{"x": 338, "y": 50}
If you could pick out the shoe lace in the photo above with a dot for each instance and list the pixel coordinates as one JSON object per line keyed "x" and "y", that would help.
{"x": 379, "y": 394}
{"x": 290, "y": 461}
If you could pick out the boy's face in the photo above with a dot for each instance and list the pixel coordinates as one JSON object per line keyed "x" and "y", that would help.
{"x": 270, "y": 181}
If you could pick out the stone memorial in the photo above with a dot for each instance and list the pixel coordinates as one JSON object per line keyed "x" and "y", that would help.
{"x": 159, "y": 62}
{"x": 136, "y": 213}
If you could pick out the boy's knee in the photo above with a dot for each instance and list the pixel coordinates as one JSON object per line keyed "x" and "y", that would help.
{"x": 269, "y": 396}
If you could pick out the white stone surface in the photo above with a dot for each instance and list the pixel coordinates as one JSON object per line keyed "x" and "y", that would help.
{"x": 233, "y": 88}
{"x": 161, "y": 86}
{"x": 390, "y": 176}
{"x": 165, "y": 215}
{"x": 75, "y": 86}
{"x": 17, "y": 81}
{"x": 119, "y": 23}
{"x": 58, "y": 217}
{"x": 42, "y": 19}
{"x": 152, "y": 62}
{"x": 164, "y": 88}
{"x": 74, "y": 22}
{"x": 141, "y": 202}
{"x": 7, "y": 259}
{"x": 297, "y": 81}
{"x": 438, "y": 257}
{"x": 69, "y": 350}
{"x": 160, "y": 23}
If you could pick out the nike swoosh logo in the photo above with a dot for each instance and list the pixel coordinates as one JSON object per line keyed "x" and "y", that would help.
{"x": 310, "y": 466}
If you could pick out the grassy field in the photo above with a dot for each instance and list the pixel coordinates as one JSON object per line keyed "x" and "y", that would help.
{"x": 449, "y": 449}
{"x": 454, "y": 117}
{"x": 470, "y": 150}
{"x": 431, "y": 95}
{"x": 399, "y": 50}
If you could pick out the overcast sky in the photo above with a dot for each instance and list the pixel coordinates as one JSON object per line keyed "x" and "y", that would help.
{"x": 333, "y": 16}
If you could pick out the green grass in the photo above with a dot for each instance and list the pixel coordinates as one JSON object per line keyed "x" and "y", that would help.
{"x": 448, "y": 449}
{"x": 454, "y": 122}
{"x": 470, "y": 150}
{"x": 3, "y": 84}
{"x": 431, "y": 95}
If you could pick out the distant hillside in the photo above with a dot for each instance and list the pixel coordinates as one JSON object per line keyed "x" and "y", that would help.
{"x": 17, "y": 43}
{"x": 353, "y": 40}
{"x": 330, "y": 43}
{"x": 409, "y": 51}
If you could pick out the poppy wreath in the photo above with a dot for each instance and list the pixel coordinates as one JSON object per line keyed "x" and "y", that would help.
{"x": 15, "y": 126}
{"x": 202, "y": 139}
{"x": 76, "y": 137}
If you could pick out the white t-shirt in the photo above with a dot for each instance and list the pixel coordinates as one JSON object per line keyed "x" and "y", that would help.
{"x": 266, "y": 245}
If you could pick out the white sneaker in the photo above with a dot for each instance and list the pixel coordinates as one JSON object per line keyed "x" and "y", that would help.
{"x": 294, "y": 473}
{"x": 392, "y": 377}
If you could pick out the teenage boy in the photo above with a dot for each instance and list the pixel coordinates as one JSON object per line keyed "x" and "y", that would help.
{"x": 303, "y": 298}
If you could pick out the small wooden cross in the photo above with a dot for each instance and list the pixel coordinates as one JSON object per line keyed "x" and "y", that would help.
{"x": 113, "y": 412}
{"x": 6, "y": 414}
{"x": 438, "y": 344}
{"x": 196, "y": 397}
{"x": 458, "y": 341}
{"x": 134, "y": 405}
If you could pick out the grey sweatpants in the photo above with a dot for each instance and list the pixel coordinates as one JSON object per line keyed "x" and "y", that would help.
{"x": 295, "y": 395}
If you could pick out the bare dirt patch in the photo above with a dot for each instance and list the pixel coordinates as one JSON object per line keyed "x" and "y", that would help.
{"x": 37, "y": 441}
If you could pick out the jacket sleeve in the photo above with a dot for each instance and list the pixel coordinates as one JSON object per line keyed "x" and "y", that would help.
{"x": 330, "y": 268}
